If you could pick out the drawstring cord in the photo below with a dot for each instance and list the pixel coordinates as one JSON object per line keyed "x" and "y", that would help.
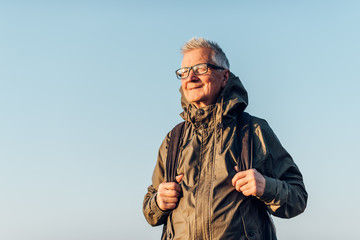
{"x": 221, "y": 126}
{"x": 186, "y": 122}
{"x": 187, "y": 116}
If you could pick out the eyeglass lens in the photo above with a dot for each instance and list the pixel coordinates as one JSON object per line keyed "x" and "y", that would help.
{"x": 197, "y": 69}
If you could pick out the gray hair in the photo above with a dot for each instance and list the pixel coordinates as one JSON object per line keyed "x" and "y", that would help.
{"x": 218, "y": 55}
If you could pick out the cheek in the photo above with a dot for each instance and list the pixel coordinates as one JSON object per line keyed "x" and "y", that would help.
{"x": 215, "y": 88}
{"x": 183, "y": 86}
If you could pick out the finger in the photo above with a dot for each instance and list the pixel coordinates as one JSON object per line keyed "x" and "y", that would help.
{"x": 240, "y": 184}
{"x": 236, "y": 168}
{"x": 171, "y": 193}
{"x": 167, "y": 206}
{"x": 248, "y": 174}
{"x": 163, "y": 205}
{"x": 249, "y": 192}
{"x": 237, "y": 176}
{"x": 166, "y": 203}
{"x": 177, "y": 187}
{"x": 170, "y": 199}
{"x": 172, "y": 186}
{"x": 179, "y": 178}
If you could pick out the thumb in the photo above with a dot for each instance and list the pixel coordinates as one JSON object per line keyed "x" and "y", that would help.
{"x": 179, "y": 178}
{"x": 236, "y": 168}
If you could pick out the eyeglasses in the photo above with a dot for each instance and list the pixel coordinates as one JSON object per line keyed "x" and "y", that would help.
{"x": 198, "y": 69}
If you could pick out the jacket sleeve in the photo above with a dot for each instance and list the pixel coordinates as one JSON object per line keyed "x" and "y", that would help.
{"x": 153, "y": 214}
{"x": 285, "y": 195}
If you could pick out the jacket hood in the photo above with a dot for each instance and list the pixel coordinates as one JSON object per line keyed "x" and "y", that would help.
{"x": 234, "y": 97}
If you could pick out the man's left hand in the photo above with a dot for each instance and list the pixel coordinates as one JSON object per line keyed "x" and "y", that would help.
{"x": 249, "y": 182}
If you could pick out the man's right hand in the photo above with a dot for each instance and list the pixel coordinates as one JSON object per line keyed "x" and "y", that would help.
{"x": 168, "y": 194}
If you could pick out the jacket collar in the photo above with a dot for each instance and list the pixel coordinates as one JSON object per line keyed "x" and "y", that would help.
{"x": 232, "y": 99}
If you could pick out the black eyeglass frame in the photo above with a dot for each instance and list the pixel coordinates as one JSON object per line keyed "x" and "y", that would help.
{"x": 192, "y": 68}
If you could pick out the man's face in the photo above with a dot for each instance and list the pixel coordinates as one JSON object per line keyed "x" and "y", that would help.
{"x": 202, "y": 90}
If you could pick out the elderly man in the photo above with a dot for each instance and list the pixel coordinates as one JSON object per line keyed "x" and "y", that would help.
{"x": 218, "y": 195}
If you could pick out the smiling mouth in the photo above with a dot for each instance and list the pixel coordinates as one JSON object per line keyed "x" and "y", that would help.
{"x": 194, "y": 87}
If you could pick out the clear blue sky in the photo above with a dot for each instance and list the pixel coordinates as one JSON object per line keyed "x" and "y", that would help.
{"x": 88, "y": 92}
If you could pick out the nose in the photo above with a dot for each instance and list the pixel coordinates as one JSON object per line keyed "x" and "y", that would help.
{"x": 192, "y": 75}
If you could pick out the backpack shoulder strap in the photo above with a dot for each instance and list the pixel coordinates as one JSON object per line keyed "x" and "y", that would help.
{"x": 245, "y": 136}
{"x": 173, "y": 151}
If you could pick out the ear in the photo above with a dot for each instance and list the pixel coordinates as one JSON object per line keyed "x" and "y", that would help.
{"x": 226, "y": 77}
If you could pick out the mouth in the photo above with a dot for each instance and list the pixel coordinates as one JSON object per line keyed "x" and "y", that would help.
{"x": 194, "y": 87}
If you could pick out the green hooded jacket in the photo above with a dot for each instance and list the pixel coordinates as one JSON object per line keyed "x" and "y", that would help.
{"x": 210, "y": 207}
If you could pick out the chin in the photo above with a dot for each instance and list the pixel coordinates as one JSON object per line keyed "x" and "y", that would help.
{"x": 193, "y": 99}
